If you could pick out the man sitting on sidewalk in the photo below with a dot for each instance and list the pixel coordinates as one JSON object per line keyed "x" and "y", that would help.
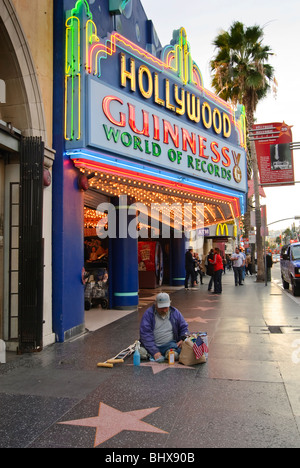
{"x": 162, "y": 328}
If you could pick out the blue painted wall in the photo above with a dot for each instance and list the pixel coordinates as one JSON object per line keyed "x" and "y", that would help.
{"x": 68, "y": 201}
{"x": 68, "y": 255}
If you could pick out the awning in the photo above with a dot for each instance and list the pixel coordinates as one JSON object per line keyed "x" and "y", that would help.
{"x": 114, "y": 177}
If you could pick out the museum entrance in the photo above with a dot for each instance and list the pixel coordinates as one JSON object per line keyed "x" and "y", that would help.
{"x": 157, "y": 256}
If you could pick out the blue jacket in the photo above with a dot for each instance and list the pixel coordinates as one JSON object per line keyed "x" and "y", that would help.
{"x": 180, "y": 328}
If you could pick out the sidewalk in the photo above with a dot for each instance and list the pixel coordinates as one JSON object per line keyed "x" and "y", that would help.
{"x": 246, "y": 395}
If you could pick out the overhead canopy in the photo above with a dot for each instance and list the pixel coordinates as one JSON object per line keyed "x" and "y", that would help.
{"x": 149, "y": 189}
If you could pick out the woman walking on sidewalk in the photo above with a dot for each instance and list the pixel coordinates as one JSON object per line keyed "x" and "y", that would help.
{"x": 210, "y": 268}
{"x": 218, "y": 271}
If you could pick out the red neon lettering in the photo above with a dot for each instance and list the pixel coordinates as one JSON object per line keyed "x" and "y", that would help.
{"x": 156, "y": 130}
{"x": 202, "y": 147}
{"x": 106, "y": 109}
{"x": 214, "y": 145}
{"x": 132, "y": 123}
{"x": 174, "y": 133}
{"x": 190, "y": 139}
{"x": 227, "y": 162}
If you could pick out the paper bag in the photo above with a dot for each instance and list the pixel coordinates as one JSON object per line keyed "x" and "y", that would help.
{"x": 187, "y": 355}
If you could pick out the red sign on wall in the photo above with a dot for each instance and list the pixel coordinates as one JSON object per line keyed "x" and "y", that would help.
{"x": 274, "y": 155}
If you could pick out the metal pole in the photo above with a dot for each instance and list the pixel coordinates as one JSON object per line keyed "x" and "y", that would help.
{"x": 285, "y": 219}
{"x": 266, "y": 271}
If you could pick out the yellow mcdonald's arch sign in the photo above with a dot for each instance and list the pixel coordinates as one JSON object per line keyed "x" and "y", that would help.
{"x": 223, "y": 228}
{"x": 235, "y": 231}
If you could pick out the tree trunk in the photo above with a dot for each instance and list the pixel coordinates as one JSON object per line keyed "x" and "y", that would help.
{"x": 259, "y": 239}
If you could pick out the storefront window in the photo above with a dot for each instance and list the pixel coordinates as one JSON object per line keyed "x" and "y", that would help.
{"x": 95, "y": 262}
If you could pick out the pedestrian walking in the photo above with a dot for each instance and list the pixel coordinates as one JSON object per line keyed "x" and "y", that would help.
{"x": 198, "y": 268}
{"x": 238, "y": 263}
{"x": 269, "y": 264}
{"x": 217, "y": 262}
{"x": 189, "y": 268}
{"x": 248, "y": 265}
{"x": 210, "y": 268}
{"x": 244, "y": 266}
{"x": 224, "y": 264}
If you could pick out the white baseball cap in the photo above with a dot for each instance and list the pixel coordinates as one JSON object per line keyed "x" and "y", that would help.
{"x": 163, "y": 300}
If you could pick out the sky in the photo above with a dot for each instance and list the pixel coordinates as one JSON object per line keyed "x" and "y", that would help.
{"x": 203, "y": 21}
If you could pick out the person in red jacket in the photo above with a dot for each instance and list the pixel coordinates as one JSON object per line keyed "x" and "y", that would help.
{"x": 218, "y": 271}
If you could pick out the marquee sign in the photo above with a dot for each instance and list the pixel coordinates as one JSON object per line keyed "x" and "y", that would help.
{"x": 126, "y": 127}
{"x": 149, "y": 109}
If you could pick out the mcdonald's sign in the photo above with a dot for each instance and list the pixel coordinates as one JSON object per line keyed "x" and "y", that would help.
{"x": 222, "y": 230}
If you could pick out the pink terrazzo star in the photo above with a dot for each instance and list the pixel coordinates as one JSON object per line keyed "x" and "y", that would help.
{"x": 199, "y": 320}
{"x": 160, "y": 367}
{"x": 111, "y": 422}
{"x": 209, "y": 300}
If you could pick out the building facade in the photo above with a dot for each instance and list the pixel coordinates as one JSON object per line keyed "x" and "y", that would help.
{"x": 113, "y": 157}
{"x": 142, "y": 138}
{"x": 26, "y": 158}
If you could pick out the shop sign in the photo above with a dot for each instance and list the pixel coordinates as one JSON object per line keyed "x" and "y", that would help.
{"x": 150, "y": 109}
{"x": 252, "y": 237}
{"x": 203, "y": 232}
{"x": 128, "y": 127}
{"x": 223, "y": 230}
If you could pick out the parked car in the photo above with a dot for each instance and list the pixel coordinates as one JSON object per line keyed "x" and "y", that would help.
{"x": 276, "y": 258}
{"x": 290, "y": 267}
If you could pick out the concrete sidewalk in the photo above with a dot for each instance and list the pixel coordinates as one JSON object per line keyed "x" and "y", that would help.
{"x": 246, "y": 395}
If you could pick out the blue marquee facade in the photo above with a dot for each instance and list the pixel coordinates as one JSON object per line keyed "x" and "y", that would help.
{"x": 110, "y": 68}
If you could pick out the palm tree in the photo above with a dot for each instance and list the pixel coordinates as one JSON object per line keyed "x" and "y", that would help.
{"x": 242, "y": 75}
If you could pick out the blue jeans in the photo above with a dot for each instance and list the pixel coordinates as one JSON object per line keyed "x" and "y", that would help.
{"x": 238, "y": 275}
{"x": 172, "y": 345}
{"x": 218, "y": 281}
{"x": 211, "y": 282}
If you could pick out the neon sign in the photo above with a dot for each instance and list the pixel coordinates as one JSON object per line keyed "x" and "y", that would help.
{"x": 120, "y": 124}
{"x": 185, "y": 103}
{"x": 85, "y": 52}
{"x": 95, "y": 162}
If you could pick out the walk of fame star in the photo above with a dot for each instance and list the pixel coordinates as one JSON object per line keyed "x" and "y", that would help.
{"x": 111, "y": 422}
{"x": 160, "y": 367}
{"x": 209, "y": 300}
{"x": 199, "y": 320}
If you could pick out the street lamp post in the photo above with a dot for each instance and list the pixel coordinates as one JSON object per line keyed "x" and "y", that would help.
{"x": 286, "y": 219}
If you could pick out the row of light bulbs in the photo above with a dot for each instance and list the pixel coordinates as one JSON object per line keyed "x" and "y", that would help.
{"x": 147, "y": 193}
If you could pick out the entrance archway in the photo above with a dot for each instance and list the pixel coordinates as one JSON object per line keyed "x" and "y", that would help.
{"x": 23, "y": 108}
{"x": 21, "y": 114}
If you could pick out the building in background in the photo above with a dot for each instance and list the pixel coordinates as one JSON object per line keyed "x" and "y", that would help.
{"x": 26, "y": 158}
